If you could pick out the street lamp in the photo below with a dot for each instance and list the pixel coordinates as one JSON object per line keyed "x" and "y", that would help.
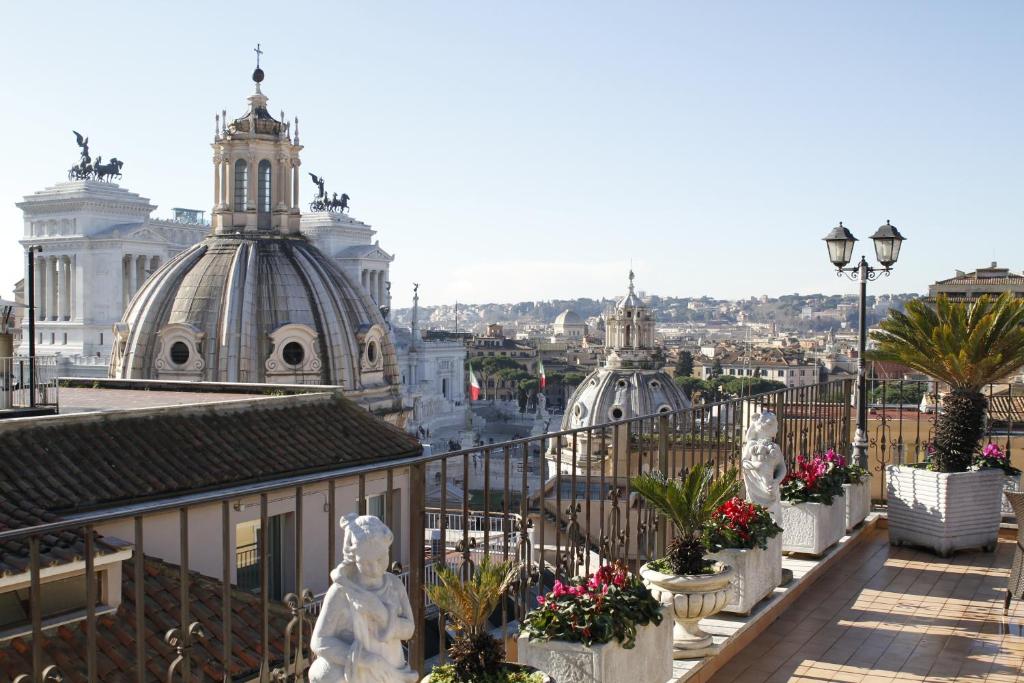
{"x": 31, "y": 287}
{"x": 840, "y": 241}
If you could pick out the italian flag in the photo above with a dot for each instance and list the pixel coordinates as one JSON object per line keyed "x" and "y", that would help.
{"x": 540, "y": 371}
{"x": 474, "y": 385}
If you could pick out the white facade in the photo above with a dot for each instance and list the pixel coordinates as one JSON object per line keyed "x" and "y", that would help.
{"x": 350, "y": 244}
{"x": 99, "y": 244}
{"x": 433, "y": 376}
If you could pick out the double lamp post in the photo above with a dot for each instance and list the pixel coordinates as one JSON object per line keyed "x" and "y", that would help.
{"x": 840, "y": 243}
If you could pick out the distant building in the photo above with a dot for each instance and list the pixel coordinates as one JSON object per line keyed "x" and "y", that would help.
{"x": 969, "y": 286}
{"x": 794, "y": 370}
{"x": 495, "y": 344}
{"x": 569, "y": 325}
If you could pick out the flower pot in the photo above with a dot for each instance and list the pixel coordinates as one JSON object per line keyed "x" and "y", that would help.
{"x": 690, "y": 599}
{"x": 758, "y": 573}
{"x": 509, "y": 667}
{"x": 1012, "y": 484}
{"x": 649, "y": 662}
{"x": 944, "y": 511}
{"x": 858, "y": 502}
{"x": 812, "y": 528}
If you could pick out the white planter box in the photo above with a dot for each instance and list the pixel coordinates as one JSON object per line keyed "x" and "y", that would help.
{"x": 858, "y": 502}
{"x": 649, "y": 662}
{"x": 1012, "y": 484}
{"x": 758, "y": 573}
{"x": 944, "y": 511}
{"x": 812, "y": 528}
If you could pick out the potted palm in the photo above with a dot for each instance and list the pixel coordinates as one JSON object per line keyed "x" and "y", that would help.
{"x": 607, "y": 627}
{"x": 944, "y": 504}
{"x": 694, "y": 585}
{"x": 475, "y": 654}
{"x": 745, "y": 537}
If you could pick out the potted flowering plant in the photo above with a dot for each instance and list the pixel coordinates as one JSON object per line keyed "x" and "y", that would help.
{"x": 607, "y": 626}
{"x": 992, "y": 456}
{"x": 856, "y": 487}
{"x": 948, "y": 504}
{"x": 695, "y": 584}
{"x": 745, "y": 536}
{"x": 813, "y": 505}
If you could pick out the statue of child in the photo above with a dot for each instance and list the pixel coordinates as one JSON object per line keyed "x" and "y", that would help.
{"x": 366, "y": 613}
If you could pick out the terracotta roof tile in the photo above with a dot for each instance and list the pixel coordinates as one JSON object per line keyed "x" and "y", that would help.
{"x": 115, "y": 637}
{"x": 53, "y": 465}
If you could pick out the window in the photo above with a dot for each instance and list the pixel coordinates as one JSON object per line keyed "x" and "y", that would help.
{"x": 371, "y": 352}
{"x": 375, "y": 506}
{"x": 60, "y": 597}
{"x": 293, "y": 353}
{"x": 782, "y": 373}
{"x": 101, "y": 339}
{"x": 263, "y": 196}
{"x": 65, "y": 339}
{"x": 280, "y": 555}
{"x": 444, "y": 387}
{"x": 179, "y": 353}
{"x": 241, "y": 184}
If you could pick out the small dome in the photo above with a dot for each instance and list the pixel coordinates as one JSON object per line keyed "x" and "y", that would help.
{"x": 607, "y": 395}
{"x": 568, "y": 317}
{"x": 254, "y": 308}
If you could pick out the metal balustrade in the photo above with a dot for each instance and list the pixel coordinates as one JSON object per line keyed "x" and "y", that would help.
{"x": 16, "y": 377}
{"x": 565, "y": 509}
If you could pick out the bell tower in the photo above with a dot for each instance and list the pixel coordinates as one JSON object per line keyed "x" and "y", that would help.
{"x": 629, "y": 332}
{"x": 256, "y": 169}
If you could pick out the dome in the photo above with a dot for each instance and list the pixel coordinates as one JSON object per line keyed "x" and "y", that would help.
{"x": 254, "y": 307}
{"x": 608, "y": 395}
{"x": 568, "y": 317}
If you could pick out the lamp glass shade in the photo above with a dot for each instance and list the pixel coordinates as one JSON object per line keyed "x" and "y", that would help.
{"x": 840, "y": 246}
{"x": 888, "y": 241}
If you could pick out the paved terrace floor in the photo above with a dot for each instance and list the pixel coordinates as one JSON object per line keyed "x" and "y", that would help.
{"x": 894, "y": 614}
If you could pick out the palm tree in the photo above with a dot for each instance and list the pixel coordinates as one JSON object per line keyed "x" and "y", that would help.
{"x": 965, "y": 345}
{"x": 475, "y": 653}
{"x": 690, "y": 504}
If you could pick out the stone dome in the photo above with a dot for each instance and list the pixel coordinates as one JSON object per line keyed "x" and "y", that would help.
{"x": 568, "y": 317}
{"x": 608, "y": 395}
{"x": 254, "y": 307}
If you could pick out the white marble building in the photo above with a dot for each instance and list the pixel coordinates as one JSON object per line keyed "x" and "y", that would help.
{"x": 349, "y": 242}
{"x": 433, "y": 376}
{"x": 99, "y": 244}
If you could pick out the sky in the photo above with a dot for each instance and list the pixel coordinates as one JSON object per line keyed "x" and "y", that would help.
{"x": 536, "y": 150}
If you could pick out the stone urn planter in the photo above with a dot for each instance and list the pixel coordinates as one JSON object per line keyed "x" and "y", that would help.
{"x": 758, "y": 573}
{"x": 812, "y": 528}
{"x": 650, "y": 661}
{"x": 690, "y": 599}
{"x": 508, "y": 667}
{"x": 858, "y": 502}
{"x": 944, "y": 511}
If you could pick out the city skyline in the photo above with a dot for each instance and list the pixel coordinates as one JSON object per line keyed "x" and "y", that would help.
{"x": 506, "y": 154}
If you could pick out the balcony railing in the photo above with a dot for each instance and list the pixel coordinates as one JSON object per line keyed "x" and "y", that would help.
{"x": 902, "y": 416}
{"x": 559, "y": 504}
{"x": 16, "y": 377}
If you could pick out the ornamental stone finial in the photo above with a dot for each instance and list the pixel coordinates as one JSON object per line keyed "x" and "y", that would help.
{"x": 763, "y": 465}
{"x": 366, "y": 613}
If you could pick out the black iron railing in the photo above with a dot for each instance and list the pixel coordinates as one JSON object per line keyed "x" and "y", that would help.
{"x": 559, "y": 504}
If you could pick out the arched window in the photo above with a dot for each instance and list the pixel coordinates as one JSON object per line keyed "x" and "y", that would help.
{"x": 263, "y": 196}
{"x": 241, "y": 184}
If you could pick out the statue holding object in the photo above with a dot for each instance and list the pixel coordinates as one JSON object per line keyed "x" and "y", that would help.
{"x": 763, "y": 464}
{"x": 366, "y": 613}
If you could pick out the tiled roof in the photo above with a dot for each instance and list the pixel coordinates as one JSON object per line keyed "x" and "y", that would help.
{"x": 73, "y": 463}
{"x": 65, "y": 645}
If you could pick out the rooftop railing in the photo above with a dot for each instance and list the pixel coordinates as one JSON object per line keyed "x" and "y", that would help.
{"x": 17, "y": 375}
{"x": 558, "y": 504}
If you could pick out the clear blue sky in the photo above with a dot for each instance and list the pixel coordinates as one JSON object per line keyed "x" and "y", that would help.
{"x": 529, "y": 150}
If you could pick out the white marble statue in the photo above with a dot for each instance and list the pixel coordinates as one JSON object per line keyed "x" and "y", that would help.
{"x": 366, "y": 613}
{"x": 764, "y": 467}
{"x": 542, "y": 403}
